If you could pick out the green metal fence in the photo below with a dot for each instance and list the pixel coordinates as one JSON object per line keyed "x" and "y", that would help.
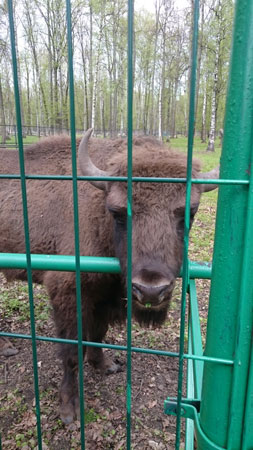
{"x": 219, "y": 404}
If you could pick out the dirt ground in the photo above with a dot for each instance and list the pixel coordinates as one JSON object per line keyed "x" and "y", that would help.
{"x": 153, "y": 379}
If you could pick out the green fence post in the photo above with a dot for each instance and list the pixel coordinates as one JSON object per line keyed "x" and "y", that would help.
{"x": 230, "y": 312}
{"x": 76, "y": 222}
{"x": 129, "y": 216}
{"x": 185, "y": 268}
{"x": 26, "y": 221}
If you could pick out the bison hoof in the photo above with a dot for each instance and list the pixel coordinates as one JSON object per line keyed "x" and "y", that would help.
{"x": 113, "y": 367}
{"x": 67, "y": 417}
{"x": 70, "y": 411}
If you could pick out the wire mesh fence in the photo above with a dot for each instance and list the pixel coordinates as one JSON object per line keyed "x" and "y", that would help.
{"x": 230, "y": 358}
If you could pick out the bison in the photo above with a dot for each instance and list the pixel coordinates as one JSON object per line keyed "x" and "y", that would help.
{"x": 157, "y": 242}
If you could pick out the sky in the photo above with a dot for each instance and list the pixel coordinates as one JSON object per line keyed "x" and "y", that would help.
{"x": 149, "y": 4}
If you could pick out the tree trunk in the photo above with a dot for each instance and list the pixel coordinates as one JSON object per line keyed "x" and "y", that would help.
{"x": 103, "y": 118}
{"x": 160, "y": 135}
{"x": 174, "y": 110}
{"x": 152, "y": 106}
{"x": 200, "y": 48}
{"x": 91, "y": 120}
{"x": 19, "y": 79}
{"x": 29, "y": 112}
{"x": 203, "y": 122}
{"x": 94, "y": 100}
{"x": 2, "y": 115}
{"x": 86, "y": 120}
{"x": 32, "y": 44}
{"x": 56, "y": 99}
{"x": 210, "y": 146}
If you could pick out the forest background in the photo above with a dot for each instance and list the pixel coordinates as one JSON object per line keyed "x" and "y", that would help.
{"x": 162, "y": 49}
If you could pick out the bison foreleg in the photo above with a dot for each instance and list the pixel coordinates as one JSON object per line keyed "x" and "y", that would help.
{"x": 95, "y": 355}
{"x": 100, "y": 361}
{"x": 69, "y": 398}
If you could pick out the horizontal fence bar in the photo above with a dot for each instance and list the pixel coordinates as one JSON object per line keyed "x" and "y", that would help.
{"x": 60, "y": 263}
{"x": 67, "y": 263}
{"x": 124, "y": 179}
{"x": 227, "y": 362}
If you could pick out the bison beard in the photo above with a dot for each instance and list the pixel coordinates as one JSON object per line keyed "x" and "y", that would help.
{"x": 157, "y": 241}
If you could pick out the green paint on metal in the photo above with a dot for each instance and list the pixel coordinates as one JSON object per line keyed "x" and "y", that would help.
{"x": 189, "y": 426}
{"x": 124, "y": 179}
{"x": 243, "y": 328}
{"x": 187, "y": 217}
{"x": 120, "y": 347}
{"x": 247, "y": 439}
{"x": 60, "y": 263}
{"x": 26, "y": 221}
{"x": 229, "y": 330}
{"x": 196, "y": 340}
{"x": 189, "y": 411}
{"x": 129, "y": 215}
{"x": 76, "y": 223}
{"x": 87, "y": 264}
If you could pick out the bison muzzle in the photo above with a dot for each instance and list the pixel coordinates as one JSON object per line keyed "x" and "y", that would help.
{"x": 157, "y": 236}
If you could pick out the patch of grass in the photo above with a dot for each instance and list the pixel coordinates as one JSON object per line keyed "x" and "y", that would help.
{"x": 120, "y": 390}
{"x": 202, "y": 233}
{"x": 208, "y": 159}
{"x": 91, "y": 416}
{"x": 14, "y": 402}
{"x": 15, "y": 302}
{"x": 26, "y": 140}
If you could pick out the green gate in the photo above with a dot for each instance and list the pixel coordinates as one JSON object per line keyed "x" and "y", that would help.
{"x": 219, "y": 404}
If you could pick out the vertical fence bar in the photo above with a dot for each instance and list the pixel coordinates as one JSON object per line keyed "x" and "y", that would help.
{"x": 26, "y": 219}
{"x": 185, "y": 274}
{"x": 189, "y": 426}
{"x": 129, "y": 217}
{"x": 230, "y": 310}
{"x": 247, "y": 440}
{"x": 76, "y": 222}
{"x": 243, "y": 326}
{"x": 196, "y": 342}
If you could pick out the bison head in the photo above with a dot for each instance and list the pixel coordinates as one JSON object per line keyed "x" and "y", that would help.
{"x": 157, "y": 221}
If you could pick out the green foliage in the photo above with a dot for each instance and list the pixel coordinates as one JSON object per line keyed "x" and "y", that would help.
{"x": 162, "y": 44}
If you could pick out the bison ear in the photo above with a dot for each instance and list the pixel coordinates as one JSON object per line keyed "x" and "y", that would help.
{"x": 212, "y": 175}
{"x": 86, "y": 165}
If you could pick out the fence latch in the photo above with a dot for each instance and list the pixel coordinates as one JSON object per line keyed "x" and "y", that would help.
{"x": 189, "y": 407}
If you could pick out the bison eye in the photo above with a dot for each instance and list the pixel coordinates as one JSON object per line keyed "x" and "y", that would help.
{"x": 119, "y": 216}
{"x": 120, "y": 220}
{"x": 180, "y": 215}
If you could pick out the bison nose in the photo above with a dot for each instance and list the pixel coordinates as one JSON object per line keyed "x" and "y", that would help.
{"x": 151, "y": 294}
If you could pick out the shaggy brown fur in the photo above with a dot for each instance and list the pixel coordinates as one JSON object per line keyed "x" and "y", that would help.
{"x": 158, "y": 221}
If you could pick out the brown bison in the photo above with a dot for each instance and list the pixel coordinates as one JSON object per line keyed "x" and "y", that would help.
{"x": 158, "y": 226}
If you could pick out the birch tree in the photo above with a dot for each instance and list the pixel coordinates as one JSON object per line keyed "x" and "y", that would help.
{"x": 222, "y": 34}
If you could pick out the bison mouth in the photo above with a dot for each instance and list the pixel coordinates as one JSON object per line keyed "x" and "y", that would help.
{"x": 151, "y": 293}
{"x": 150, "y": 306}
{"x": 150, "y": 316}
{"x": 151, "y": 310}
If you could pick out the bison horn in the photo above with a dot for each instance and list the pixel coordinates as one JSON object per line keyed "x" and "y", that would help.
{"x": 212, "y": 175}
{"x": 86, "y": 165}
